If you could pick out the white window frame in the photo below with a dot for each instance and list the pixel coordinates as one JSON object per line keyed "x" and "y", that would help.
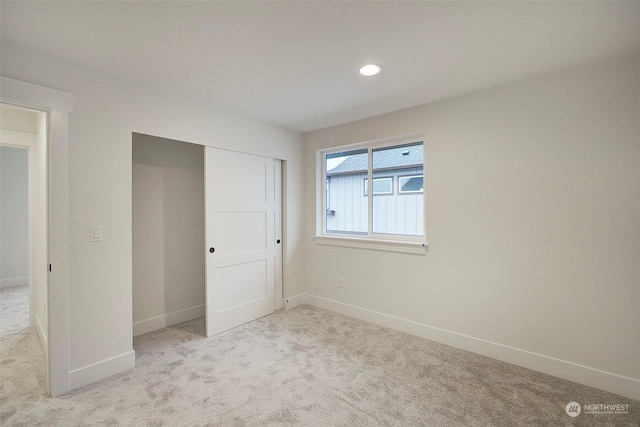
{"x": 408, "y": 177}
{"x": 376, "y": 241}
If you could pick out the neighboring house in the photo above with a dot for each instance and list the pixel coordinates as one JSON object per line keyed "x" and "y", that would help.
{"x": 397, "y": 192}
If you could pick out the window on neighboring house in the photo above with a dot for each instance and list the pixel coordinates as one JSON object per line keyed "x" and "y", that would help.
{"x": 380, "y": 186}
{"x": 348, "y": 208}
{"x": 410, "y": 184}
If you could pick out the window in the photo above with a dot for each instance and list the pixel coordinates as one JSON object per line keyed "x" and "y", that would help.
{"x": 350, "y": 212}
{"x": 410, "y": 184}
{"x": 380, "y": 186}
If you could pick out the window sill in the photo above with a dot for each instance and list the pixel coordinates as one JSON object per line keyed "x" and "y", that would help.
{"x": 373, "y": 244}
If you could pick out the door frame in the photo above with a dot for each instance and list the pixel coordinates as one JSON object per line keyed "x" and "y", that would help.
{"x": 279, "y": 234}
{"x": 57, "y": 105}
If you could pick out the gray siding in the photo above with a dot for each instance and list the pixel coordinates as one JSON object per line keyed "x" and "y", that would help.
{"x": 345, "y": 196}
{"x": 394, "y": 213}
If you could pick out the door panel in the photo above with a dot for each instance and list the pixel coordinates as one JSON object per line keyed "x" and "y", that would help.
{"x": 240, "y": 204}
{"x": 241, "y": 232}
{"x": 242, "y": 283}
{"x": 245, "y": 180}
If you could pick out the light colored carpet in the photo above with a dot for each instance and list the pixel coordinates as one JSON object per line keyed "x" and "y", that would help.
{"x": 312, "y": 367}
{"x": 23, "y": 366}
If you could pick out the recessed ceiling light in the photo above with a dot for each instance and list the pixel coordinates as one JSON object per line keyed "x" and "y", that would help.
{"x": 370, "y": 70}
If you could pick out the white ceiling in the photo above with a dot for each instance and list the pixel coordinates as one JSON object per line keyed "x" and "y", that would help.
{"x": 295, "y": 64}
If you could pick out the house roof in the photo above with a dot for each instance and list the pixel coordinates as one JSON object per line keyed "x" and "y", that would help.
{"x": 394, "y": 158}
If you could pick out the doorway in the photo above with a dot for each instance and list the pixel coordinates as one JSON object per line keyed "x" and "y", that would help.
{"x": 168, "y": 232}
{"x": 56, "y": 105}
{"x": 23, "y": 255}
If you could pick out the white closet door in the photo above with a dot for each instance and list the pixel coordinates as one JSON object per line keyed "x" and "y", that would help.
{"x": 240, "y": 205}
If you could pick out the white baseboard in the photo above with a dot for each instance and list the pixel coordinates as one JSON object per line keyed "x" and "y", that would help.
{"x": 294, "y": 301}
{"x": 42, "y": 335}
{"x": 106, "y": 368}
{"x": 14, "y": 281}
{"x": 143, "y": 326}
{"x": 624, "y": 386}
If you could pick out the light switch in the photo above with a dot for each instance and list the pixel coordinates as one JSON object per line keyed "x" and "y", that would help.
{"x": 96, "y": 233}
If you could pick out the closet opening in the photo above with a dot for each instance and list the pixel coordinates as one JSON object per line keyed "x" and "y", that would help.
{"x": 168, "y": 233}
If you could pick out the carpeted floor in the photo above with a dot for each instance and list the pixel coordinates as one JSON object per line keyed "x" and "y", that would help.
{"x": 312, "y": 367}
{"x": 23, "y": 369}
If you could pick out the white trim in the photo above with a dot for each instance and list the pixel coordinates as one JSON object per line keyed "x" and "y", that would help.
{"x": 278, "y": 302}
{"x": 377, "y": 143}
{"x": 35, "y": 95}
{"x": 373, "y": 244}
{"x": 42, "y": 336}
{"x": 158, "y": 322}
{"x": 12, "y": 138}
{"x": 614, "y": 383}
{"x": 14, "y": 281}
{"x": 294, "y": 301}
{"x": 321, "y": 195}
{"x": 106, "y": 368}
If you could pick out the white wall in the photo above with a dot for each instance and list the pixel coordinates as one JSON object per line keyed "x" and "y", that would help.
{"x": 168, "y": 233}
{"x": 106, "y": 112}
{"x": 533, "y": 222}
{"x": 14, "y": 217}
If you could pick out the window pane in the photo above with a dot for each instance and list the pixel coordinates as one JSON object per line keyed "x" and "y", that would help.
{"x": 346, "y": 205}
{"x": 410, "y": 184}
{"x": 382, "y": 186}
{"x": 400, "y": 213}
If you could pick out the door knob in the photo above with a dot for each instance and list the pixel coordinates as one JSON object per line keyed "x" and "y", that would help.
{"x": 278, "y": 241}
{"x": 212, "y": 250}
